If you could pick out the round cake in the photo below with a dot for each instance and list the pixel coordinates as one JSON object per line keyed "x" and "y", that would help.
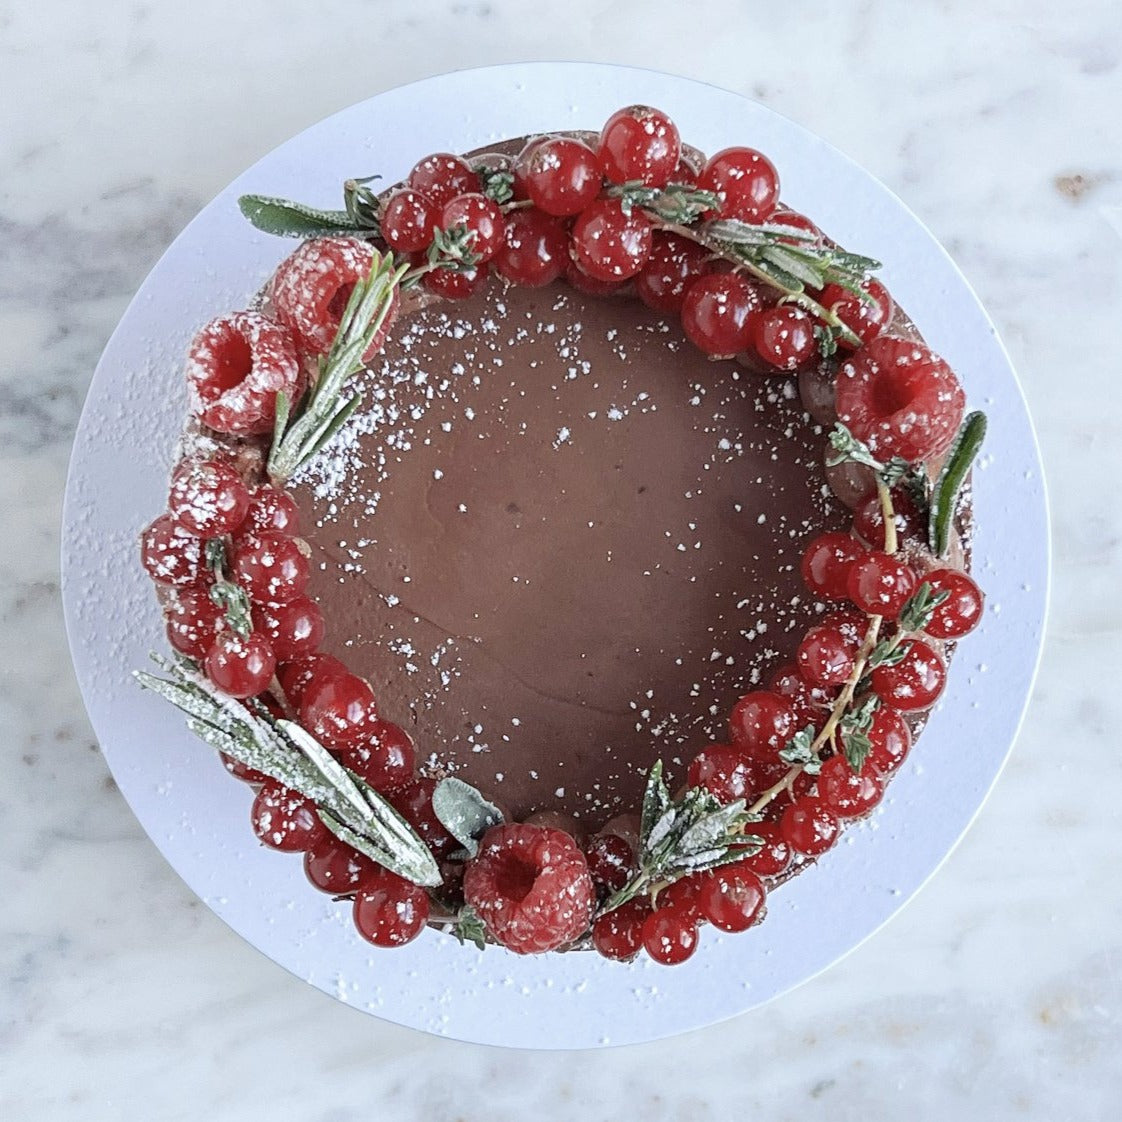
{"x": 566, "y": 543}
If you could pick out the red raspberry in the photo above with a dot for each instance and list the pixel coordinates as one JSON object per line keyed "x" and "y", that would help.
{"x": 311, "y": 288}
{"x": 531, "y": 887}
{"x": 900, "y": 399}
{"x": 236, "y": 366}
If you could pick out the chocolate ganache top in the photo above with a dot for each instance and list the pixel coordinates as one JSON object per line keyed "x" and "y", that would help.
{"x": 560, "y": 542}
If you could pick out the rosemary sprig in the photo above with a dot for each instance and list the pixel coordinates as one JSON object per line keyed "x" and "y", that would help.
{"x": 944, "y": 498}
{"x": 325, "y": 409}
{"x": 681, "y": 836}
{"x": 349, "y": 807}
{"x": 680, "y": 203}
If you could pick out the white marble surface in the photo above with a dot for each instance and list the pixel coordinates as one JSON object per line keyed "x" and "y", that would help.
{"x": 996, "y": 994}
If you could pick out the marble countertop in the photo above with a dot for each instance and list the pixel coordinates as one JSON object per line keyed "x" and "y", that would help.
{"x": 995, "y": 994}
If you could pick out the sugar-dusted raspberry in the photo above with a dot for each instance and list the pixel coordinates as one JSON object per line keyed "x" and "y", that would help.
{"x": 900, "y": 399}
{"x": 311, "y": 288}
{"x": 531, "y": 887}
{"x": 236, "y": 366}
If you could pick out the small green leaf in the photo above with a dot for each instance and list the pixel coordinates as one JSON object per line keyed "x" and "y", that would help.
{"x": 464, "y": 812}
{"x": 469, "y": 927}
{"x": 916, "y": 614}
{"x": 944, "y": 496}
{"x": 498, "y": 183}
{"x": 295, "y": 220}
{"x": 799, "y": 751}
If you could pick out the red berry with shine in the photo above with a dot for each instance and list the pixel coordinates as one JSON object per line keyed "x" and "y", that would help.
{"x": 453, "y": 285}
{"x": 914, "y": 683}
{"x": 718, "y": 313}
{"x": 868, "y": 518}
{"x": 562, "y": 176}
{"x": 385, "y": 759}
{"x": 900, "y": 399}
{"x": 880, "y": 584}
{"x": 285, "y": 820}
{"x": 825, "y": 656}
{"x": 531, "y": 887}
{"x": 809, "y": 702}
{"x": 761, "y": 723}
{"x": 294, "y": 629}
{"x": 669, "y": 936}
{"x": 442, "y": 176}
{"x": 809, "y": 827}
{"x": 193, "y": 621}
{"x": 684, "y": 896}
{"x": 338, "y": 709}
{"x": 240, "y": 667}
{"x": 481, "y": 217}
{"x": 826, "y": 563}
{"x": 847, "y": 794}
{"x": 241, "y": 771}
{"x": 725, "y": 772}
{"x": 535, "y": 248}
{"x": 610, "y": 861}
{"x": 172, "y": 555}
{"x": 732, "y": 898}
{"x": 271, "y": 511}
{"x": 413, "y": 801}
{"x": 674, "y": 264}
{"x": 891, "y": 738}
{"x": 271, "y": 567}
{"x": 409, "y": 220}
{"x": 865, "y": 318}
{"x": 745, "y": 181}
{"x": 619, "y": 934}
{"x": 640, "y": 143}
{"x": 961, "y": 612}
{"x": 775, "y": 854}
{"x": 208, "y": 499}
{"x": 608, "y": 244}
{"x": 388, "y": 910}
{"x": 236, "y": 366}
{"x": 297, "y": 674}
{"x": 781, "y": 216}
{"x": 582, "y": 282}
{"x": 784, "y": 337}
{"x": 333, "y": 866}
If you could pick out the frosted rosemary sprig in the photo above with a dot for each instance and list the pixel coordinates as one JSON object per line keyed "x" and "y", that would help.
{"x": 299, "y": 436}
{"x": 349, "y": 807}
{"x": 681, "y": 836}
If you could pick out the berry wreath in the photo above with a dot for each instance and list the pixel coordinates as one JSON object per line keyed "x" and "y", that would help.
{"x": 708, "y": 240}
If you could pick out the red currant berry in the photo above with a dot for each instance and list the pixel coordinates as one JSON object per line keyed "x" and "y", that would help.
{"x": 456, "y": 285}
{"x": 761, "y": 723}
{"x": 240, "y": 667}
{"x": 826, "y": 563}
{"x": 236, "y": 366}
{"x": 442, "y": 176}
{"x": 333, "y": 866}
{"x": 208, "y": 499}
{"x": 243, "y": 772}
{"x": 640, "y": 143}
{"x": 773, "y": 857}
{"x": 338, "y": 709}
{"x": 684, "y": 896}
{"x": 619, "y": 934}
{"x": 784, "y": 337}
{"x": 868, "y": 518}
{"x": 675, "y": 263}
{"x": 311, "y": 288}
{"x": 847, "y": 794}
{"x": 296, "y": 675}
{"x": 669, "y": 936}
{"x": 718, "y": 313}
{"x": 271, "y": 567}
{"x": 294, "y": 629}
{"x": 610, "y": 861}
{"x": 562, "y": 176}
{"x": 825, "y": 656}
{"x": 792, "y": 219}
{"x": 745, "y": 181}
{"x": 582, "y": 282}
{"x": 608, "y": 244}
{"x": 172, "y": 555}
{"x": 732, "y": 898}
{"x": 865, "y": 318}
{"x": 385, "y": 760}
{"x": 534, "y": 250}
{"x": 521, "y": 164}
{"x": 900, "y": 399}
{"x": 891, "y": 738}
{"x": 285, "y": 820}
{"x": 409, "y": 220}
{"x": 271, "y": 511}
{"x": 481, "y": 217}
{"x": 193, "y": 619}
{"x": 388, "y": 910}
{"x": 961, "y": 612}
{"x": 915, "y": 682}
{"x": 413, "y": 801}
{"x": 880, "y": 584}
{"x": 809, "y": 702}
{"x": 809, "y": 827}
{"x": 724, "y": 771}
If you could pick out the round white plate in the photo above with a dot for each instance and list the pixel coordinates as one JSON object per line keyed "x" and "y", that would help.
{"x": 199, "y": 818}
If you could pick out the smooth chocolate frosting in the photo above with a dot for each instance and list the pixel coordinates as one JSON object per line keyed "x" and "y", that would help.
{"x": 560, "y": 542}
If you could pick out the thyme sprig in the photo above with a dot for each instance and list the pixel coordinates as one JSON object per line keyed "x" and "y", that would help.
{"x": 225, "y": 593}
{"x": 349, "y": 807}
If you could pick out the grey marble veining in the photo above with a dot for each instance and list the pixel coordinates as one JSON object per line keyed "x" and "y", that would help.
{"x": 996, "y": 994}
